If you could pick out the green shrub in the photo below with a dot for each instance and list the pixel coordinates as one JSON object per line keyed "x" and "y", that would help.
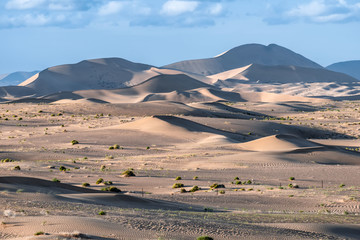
{"x": 236, "y": 178}
{"x": 108, "y": 183}
{"x": 222, "y": 192}
{"x": 86, "y": 184}
{"x": 116, "y": 146}
{"x": 7, "y": 160}
{"x": 215, "y": 185}
{"x": 183, "y": 190}
{"x": 55, "y": 180}
{"x": 238, "y": 182}
{"x": 103, "y": 167}
{"x": 128, "y": 173}
{"x": 102, "y": 213}
{"x": 100, "y": 180}
{"x": 291, "y": 178}
{"x": 196, "y": 178}
{"x": 178, "y": 178}
{"x": 194, "y": 189}
{"x": 62, "y": 168}
{"x": 111, "y": 148}
{"x": 204, "y": 238}
{"x": 111, "y": 189}
{"x": 342, "y": 185}
{"x": 17, "y": 168}
{"x": 73, "y": 142}
{"x": 178, "y": 185}
{"x": 39, "y": 233}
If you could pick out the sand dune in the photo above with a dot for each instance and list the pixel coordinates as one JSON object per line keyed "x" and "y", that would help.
{"x": 256, "y": 73}
{"x": 177, "y": 127}
{"x": 15, "y": 92}
{"x": 241, "y": 56}
{"x": 279, "y": 143}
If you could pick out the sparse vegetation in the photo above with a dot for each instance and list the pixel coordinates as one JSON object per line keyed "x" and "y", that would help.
{"x": 196, "y": 178}
{"x": 291, "y": 178}
{"x": 216, "y": 185}
{"x": 86, "y": 184}
{"x": 342, "y": 185}
{"x": 17, "y": 167}
{"x": 55, "y": 180}
{"x": 102, "y": 213}
{"x": 111, "y": 189}
{"x": 39, "y": 233}
{"x": 194, "y": 189}
{"x": 100, "y": 180}
{"x": 128, "y": 173}
{"x": 178, "y": 178}
{"x": 178, "y": 185}
{"x": 7, "y": 160}
{"x": 204, "y": 238}
{"x": 74, "y": 142}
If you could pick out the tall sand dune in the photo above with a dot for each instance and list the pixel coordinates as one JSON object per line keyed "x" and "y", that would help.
{"x": 241, "y": 56}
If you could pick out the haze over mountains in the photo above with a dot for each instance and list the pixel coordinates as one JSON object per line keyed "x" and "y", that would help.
{"x": 249, "y": 68}
{"x": 15, "y": 78}
{"x": 351, "y": 68}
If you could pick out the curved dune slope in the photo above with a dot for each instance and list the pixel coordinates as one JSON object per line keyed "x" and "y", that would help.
{"x": 241, "y": 56}
{"x": 256, "y": 73}
{"x": 178, "y": 128}
{"x": 279, "y": 143}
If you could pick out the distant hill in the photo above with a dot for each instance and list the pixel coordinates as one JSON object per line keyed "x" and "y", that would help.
{"x": 351, "y": 68}
{"x": 271, "y": 55}
{"x": 15, "y": 78}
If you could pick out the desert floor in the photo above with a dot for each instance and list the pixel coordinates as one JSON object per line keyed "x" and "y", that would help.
{"x": 263, "y": 144}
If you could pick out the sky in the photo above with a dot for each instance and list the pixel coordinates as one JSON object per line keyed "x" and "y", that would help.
{"x": 37, "y": 34}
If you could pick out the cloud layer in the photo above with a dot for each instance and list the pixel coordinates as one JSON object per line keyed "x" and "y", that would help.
{"x": 173, "y": 13}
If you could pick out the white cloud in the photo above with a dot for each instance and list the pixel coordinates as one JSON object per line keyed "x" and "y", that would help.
{"x": 313, "y": 8}
{"x": 317, "y": 11}
{"x": 177, "y": 7}
{"x": 216, "y": 9}
{"x": 110, "y": 8}
{"x": 23, "y": 4}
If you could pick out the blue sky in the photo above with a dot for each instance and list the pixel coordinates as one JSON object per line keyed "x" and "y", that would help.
{"x": 36, "y": 34}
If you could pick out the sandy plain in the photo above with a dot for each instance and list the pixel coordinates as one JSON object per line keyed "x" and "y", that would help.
{"x": 264, "y": 143}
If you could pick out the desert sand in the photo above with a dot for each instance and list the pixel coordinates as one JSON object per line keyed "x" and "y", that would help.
{"x": 262, "y": 142}
{"x": 251, "y": 144}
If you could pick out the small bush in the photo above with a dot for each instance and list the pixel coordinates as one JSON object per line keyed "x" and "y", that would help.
{"x": 194, "y": 189}
{"x": 111, "y": 148}
{"x": 39, "y": 233}
{"x": 342, "y": 185}
{"x": 183, "y": 190}
{"x": 86, "y": 184}
{"x": 293, "y": 185}
{"x": 291, "y": 178}
{"x": 108, "y": 183}
{"x": 249, "y": 182}
{"x": 178, "y": 185}
{"x": 7, "y": 160}
{"x": 222, "y": 192}
{"x": 215, "y": 185}
{"x": 100, "y": 180}
{"x": 128, "y": 173}
{"x": 103, "y": 167}
{"x": 102, "y": 213}
{"x": 196, "y": 178}
{"x": 178, "y": 178}
{"x": 204, "y": 238}
{"x": 116, "y": 146}
{"x": 17, "y": 168}
{"x": 73, "y": 142}
{"x": 55, "y": 180}
{"x": 238, "y": 182}
{"x": 62, "y": 168}
{"x": 111, "y": 189}
{"x": 236, "y": 178}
